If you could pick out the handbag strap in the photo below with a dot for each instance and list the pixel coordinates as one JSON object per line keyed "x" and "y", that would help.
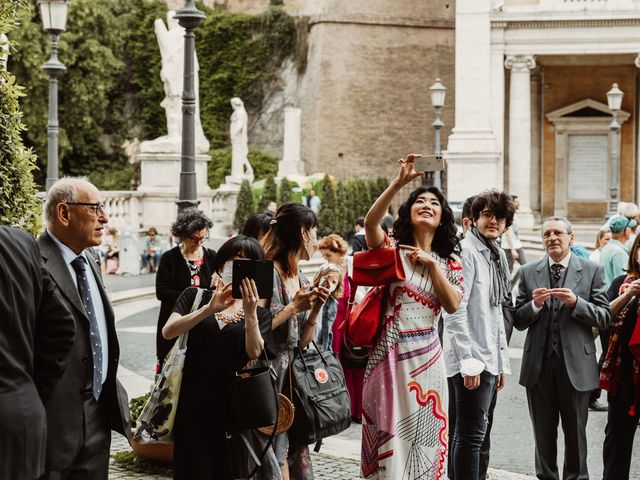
{"x": 182, "y": 339}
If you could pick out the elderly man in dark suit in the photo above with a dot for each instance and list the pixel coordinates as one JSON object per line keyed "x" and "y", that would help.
{"x": 560, "y": 299}
{"x": 36, "y": 336}
{"x": 89, "y": 401}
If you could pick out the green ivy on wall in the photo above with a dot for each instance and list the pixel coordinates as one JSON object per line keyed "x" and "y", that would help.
{"x": 112, "y": 90}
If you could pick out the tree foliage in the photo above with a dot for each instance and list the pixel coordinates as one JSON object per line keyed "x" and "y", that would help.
{"x": 19, "y": 205}
{"x": 112, "y": 90}
{"x": 285, "y": 193}
{"x": 244, "y": 207}
{"x": 269, "y": 194}
{"x": 328, "y": 221}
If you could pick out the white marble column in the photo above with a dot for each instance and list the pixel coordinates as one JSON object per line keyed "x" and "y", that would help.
{"x": 473, "y": 157}
{"x": 520, "y": 132}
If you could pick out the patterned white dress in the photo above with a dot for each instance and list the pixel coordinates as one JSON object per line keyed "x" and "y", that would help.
{"x": 405, "y": 397}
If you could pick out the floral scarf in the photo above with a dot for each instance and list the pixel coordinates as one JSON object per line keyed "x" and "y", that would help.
{"x": 612, "y": 366}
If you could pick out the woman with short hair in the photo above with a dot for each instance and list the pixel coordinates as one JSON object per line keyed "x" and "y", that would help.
{"x": 189, "y": 264}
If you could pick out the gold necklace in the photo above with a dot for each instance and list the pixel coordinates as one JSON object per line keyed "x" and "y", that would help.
{"x": 227, "y": 318}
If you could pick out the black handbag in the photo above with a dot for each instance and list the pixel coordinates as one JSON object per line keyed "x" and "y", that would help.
{"x": 253, "y": 404}
{"x": 320, "y": 396}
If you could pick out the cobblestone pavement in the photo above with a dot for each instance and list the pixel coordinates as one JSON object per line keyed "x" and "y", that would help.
{"x": 511, "y": 439}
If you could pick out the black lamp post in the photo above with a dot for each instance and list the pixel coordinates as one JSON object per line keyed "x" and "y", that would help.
{"x": 54, "y": 22}
{"x": 614, "y": 99}
{"x": 438, "y": 93}
{"x": 189, "y": 18}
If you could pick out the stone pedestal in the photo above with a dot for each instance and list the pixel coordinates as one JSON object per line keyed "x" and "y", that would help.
{"x": 223, "y": 209}
{"x": 159, "y": 188}
{"x": 291, "y": 163}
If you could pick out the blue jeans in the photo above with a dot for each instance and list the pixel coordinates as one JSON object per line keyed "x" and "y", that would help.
{"x": 472, "y": 419}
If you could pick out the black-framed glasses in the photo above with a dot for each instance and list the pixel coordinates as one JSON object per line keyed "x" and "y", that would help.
{"x": 97, "y": 207}
{"x": 197, "y": 239}
{"x": 488, "y": 215}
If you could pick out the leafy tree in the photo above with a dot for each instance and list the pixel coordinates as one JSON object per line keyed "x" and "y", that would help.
{"x": 286, "y": 191}
{"x": 244, "y": 207}
{"x": 328, "y": 221}
{"x": 345, "y": 222}
{"x": 269, "y": 194}
{"x": 19, "y": 205}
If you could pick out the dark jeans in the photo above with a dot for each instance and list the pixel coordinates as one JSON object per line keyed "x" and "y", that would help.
{"x": 619, "y": 432}
{"x": 472, "y": 420}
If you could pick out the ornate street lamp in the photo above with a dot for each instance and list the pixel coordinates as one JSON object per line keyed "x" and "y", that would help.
{"x": 438, "y": 93}
{"x": 189, "y": 18}
{"x": 614, "y": 99}
{"x": 54, "y": 22}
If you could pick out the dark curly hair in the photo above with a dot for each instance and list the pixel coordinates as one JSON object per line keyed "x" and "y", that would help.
{"x": 190, "y": 221}
{"x": 499, "y": 203}
{"x": 445, "y": 239}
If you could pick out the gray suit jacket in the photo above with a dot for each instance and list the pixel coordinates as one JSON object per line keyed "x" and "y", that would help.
{"x": 65, "y": 407}
{"x": 586, "y": 279}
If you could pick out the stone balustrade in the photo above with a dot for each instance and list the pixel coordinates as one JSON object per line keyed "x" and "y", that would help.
{"x": 124, "y": 209}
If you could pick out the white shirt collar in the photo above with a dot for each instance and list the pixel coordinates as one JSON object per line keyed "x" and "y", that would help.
{"x": 564, "y": 262}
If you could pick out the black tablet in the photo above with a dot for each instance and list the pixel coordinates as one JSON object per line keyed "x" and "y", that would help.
{"x": 261, "y": 271}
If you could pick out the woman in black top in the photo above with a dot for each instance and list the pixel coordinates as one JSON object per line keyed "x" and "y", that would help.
{"x": 620, "y": 374}
{"x": 224, "y": 334}
{"x": 189, "y": 264}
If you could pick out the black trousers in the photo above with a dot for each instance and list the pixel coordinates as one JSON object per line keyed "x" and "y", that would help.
{"x": 620, "y": 431}
{"x": 553, "y": 398}
{"x": 92, "y": 456}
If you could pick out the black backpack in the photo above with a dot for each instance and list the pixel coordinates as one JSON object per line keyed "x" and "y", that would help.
{"x": 323, "y": 406}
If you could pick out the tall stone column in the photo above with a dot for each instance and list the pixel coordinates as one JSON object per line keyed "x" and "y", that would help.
{"x": 520, "y": 133}
{"x": 472, "y": 156}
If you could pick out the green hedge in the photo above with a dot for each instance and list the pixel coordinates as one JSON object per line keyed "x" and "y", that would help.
{"x": 19, "y": 205}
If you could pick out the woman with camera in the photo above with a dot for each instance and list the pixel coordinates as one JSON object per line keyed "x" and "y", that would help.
{"x": 189, "y": 264}
{"x": 224, "y": 334}
{"x": 405, "y": 386}
{"x": 295, "y": 306}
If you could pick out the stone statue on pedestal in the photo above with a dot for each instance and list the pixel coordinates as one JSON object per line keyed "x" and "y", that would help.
{"x": 240, "y": 167}
{"x": 171, "y": 43}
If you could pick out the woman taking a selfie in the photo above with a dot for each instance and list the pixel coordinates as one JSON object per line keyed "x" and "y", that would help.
{"x": 224, "y": 334}
{"x": 405, "y": 372}
{"x": 295, "y": 305}
{"x": 189, "y": 264}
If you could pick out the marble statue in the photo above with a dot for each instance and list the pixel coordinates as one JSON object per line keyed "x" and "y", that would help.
{"x": 240, "y": 167}
{"x": 171, "y": 42}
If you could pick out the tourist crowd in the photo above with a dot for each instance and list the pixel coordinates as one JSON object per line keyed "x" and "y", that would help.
{"x": 425, "y": 390}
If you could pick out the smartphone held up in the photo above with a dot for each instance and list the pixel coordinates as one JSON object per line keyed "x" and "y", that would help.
{"x": 428, "y": 163}
{"x": 260, "y": 271}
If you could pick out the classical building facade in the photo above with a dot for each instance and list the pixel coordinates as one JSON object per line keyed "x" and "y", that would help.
{"x": 531, "y": 112}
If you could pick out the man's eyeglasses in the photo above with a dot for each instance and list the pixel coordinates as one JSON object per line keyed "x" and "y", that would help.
{"x": 488, "y": 215}
{"x": 97, "y": 208}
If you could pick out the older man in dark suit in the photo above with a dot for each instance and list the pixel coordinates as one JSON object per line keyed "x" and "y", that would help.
{"x": 89, "y": 401}
{"x": 36, "y": 336}
{"x": 560, "y": 299}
